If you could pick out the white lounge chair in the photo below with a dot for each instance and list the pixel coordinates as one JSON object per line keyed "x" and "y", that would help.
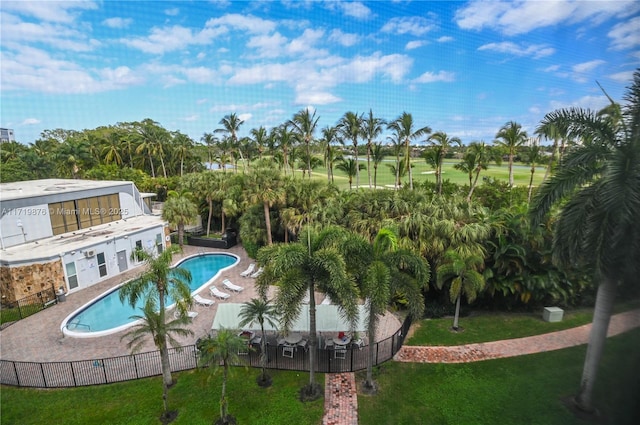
{"x": 191, "y": 314}
{"x": 257, "y": 273}
{"x": 231, "y": 286}
{"x": 203, "y": 301}
{"x": 249, "y": 270}
{"x": 218, "y": 293}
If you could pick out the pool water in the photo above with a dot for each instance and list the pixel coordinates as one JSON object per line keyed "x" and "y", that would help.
{"x": 106, "y": 314}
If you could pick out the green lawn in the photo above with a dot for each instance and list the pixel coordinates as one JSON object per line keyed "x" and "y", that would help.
{"x": 494, "y": 327}
{"x": 195, "y": 396}
{"x": 520, "y": 390}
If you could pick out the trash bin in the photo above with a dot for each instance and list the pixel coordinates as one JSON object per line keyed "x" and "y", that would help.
{"x": 61, "y": 296}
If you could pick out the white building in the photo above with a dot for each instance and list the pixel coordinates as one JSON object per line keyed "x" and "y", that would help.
{"x": 72, "y": 234}
{"x": 7, "y": 135}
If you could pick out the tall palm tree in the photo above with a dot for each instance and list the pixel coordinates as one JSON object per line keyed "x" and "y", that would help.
{"x": 444, "y": 142}
{"x": 218, "y": 352}
{"x": 551, "y": 132}
{"x": 315, "y": 261}
{"x": 152, "y": 323}
{"x": 183, "y": 145}
{"x": 209, "y": 141}
{"x": 511, "y": 136}
{"x": 350, "y": 127}
{"x": 231, "y": 125}
{"x": 377, "y": 155}
{"x": 304, "y": 123}
{"x": 463, "y": 272}
{"x": 533, "y": 156}
{"x": 387, "y": 270}
{"x": 371, "y": 129}
{"x": 156, "y": 283}
{"x": 350, "y": 167}
{"x": 598, "y": 226}
{"x": 405, "y": 129}
{"x": 265, "y": 187}
{"x": 179, "y": 210}
{"x": 261, "y": 311}
{"x": 329, "y": 137}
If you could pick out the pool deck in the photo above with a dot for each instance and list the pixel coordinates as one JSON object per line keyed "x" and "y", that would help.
{"x": 38, "y": 338}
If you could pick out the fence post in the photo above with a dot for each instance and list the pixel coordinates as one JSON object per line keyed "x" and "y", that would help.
{"x": 73, "y": 374}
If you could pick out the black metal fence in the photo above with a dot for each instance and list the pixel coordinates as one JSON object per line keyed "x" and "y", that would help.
{"x": 144, "y": 365}
{"x": 25, "y": 307}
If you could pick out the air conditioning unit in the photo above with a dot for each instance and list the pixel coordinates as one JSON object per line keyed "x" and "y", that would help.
{"x": 90, "y": 253}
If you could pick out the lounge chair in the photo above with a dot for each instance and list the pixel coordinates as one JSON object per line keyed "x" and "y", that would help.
{"x": 191, "y": 314}
{"x": 218, "y": 293}
{"x": 231, "y": 286}
{"x": 257, "y": 273}
{"x": 203, "y": 301}
{"x": 249, "y": 270}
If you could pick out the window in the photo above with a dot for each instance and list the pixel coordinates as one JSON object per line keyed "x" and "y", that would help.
{"x": 72, "y": 276}
{"x": 102, "y": 264}
{"x": 138, "y": 248}
{"x": 83, "y": 213}
{"x": 159, "y": 243}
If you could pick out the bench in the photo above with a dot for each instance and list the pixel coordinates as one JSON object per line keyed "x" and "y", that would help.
{"x": 50, "y": 303}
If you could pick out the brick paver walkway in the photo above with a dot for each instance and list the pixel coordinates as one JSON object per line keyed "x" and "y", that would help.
{"x": 341, "y": 403}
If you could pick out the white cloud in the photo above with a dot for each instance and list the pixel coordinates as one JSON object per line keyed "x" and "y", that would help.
{"x": 445, "y": 39}
{"x": 167, "y": 39}
{"x": 587, "y": 66}
{"x": 354, "y": 9}
{"x": 415, "y": 44}
{"x": 343, "y": 38}
{"x": 622, "y": 77}
{"x": 430, "y": 77}
{"x": 523, "y": 16}
{"x": 303, "y": 45}
{"x": 535, "y": 50}
{"x": 117, "y": 22}
{"x": 250, "y": 24}
{"x": 586, "y": 102}
{"x": 245, "y": 117}
{"x": 30, "y": 121}
{"x": 625, "y": 35}
{"x": 192, "y": 118}
{"x": 268, "y": 46}
{"x": 172, "y": 12}
{"x": 49, "y": 11}
{"x": 414, "y": 25}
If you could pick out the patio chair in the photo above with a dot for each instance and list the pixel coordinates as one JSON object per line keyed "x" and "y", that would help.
{"x": 218, "y": 293}
{"x": 287, "y": 351}
{"x": 231, "y": 286}
{"x": 257, "y": 273}
{"x": 191, "y": 314}
{"x": 206, "y": 302}
{"x": 249, "y": 270}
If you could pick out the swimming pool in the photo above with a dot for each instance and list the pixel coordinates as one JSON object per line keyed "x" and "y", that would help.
{"x": 105, "y": 314}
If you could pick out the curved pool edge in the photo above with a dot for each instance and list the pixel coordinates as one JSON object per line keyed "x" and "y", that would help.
{"x": 66, "y": 332}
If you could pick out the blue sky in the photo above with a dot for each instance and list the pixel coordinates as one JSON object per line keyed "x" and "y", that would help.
{"x": 464, "y": 68}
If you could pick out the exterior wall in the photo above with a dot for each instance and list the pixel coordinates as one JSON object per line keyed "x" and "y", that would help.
{"x": 35, "y": 221}
{"x": 87, "y": 267}
{"x": 21, "y": 281}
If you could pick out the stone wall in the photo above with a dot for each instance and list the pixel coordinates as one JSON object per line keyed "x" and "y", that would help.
{"x": 21, "y": 281}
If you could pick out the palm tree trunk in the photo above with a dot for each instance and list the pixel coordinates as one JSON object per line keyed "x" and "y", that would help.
{"x": 409, "y": 165}
{"x": 371, "y": 349}
{"x": 267, "y": 221}
{"x": 457, "y": 315}
{"x": 553, "y": 157}
{"x": 597, "y": 338}
{"x": 313, "y": 343}
{"x": 511, "y": 169}
{"x": 533, "y": 170}
{"x": 181, "y": 235}
{"x": 223, "y": 397}
{"x": 369, "y": 162}
{"x": 355, "y": 154}
{"x": 473, "y": 186}
{"x": 210, "y": 202}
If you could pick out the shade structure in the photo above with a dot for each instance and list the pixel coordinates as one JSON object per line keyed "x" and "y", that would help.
{"x": 328, "y": 319}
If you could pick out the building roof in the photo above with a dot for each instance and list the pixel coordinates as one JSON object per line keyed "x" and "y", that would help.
{"x": 33, "y": 188}
{"x": 49, "y": 248}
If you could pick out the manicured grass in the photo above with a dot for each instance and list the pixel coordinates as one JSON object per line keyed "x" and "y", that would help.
{"x": 494, "y": 327}
{"x": 196, "y": 396}
{"x": 519, "y": 390}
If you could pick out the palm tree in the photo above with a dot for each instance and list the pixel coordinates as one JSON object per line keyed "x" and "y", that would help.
{"x": 371, "y": 129}
{"x": 348, "y": 166}
{"x": 598, "y": 226}
{"x": 532, "y": 155}
{"x": 264, "y": 187}
{"x": 261, "y": 311}
{"x": 350, "y": 127}
{"x": 377, "y": 155}
{"x": 231, "y": 125}
{"x": 482, "y": 157}
{"x": 304, "y": 123}
{"x": 315, "y": 261}
{"x": 403, "y": 126}
{"x": 329, "y": 137}
{"x": 179, "y": 210}
{"x": 152, "y": 323}
{"x": 183, "y": 145}
{"x": 444, "y": 142}
{"x": 511, "y": 136}
{"x": 463, "y": 273}
{"x": 222, "y": 351}
{"x": 156, "y": 283}
{"x": 388, "y": 270}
